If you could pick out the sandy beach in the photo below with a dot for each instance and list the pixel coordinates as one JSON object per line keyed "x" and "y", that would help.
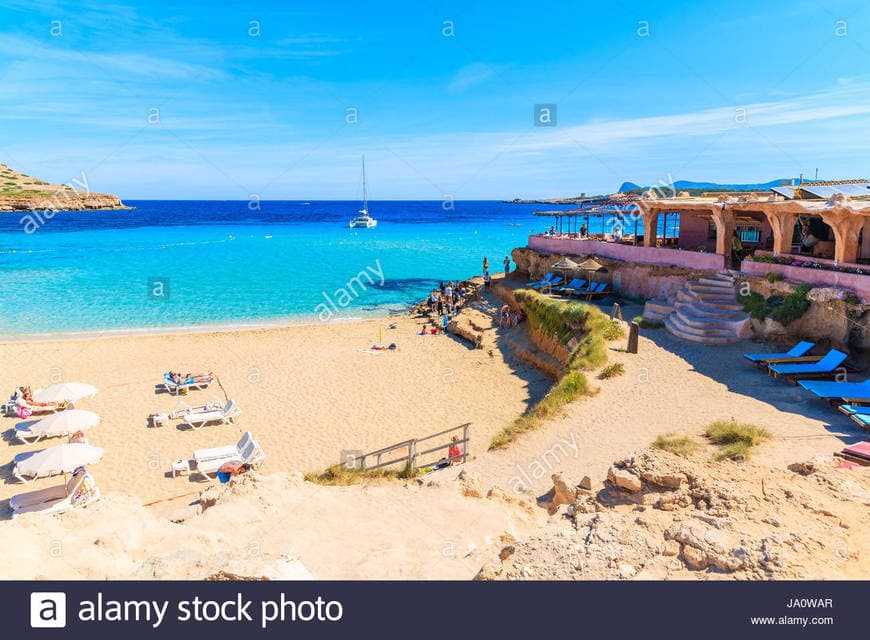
{"x": 306, "y": 393}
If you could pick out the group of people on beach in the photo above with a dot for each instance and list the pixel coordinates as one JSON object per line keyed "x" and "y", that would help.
{"x": 487, "y": 278}
{"x": 447, "y": 298}
{"x": 510, "y": 318}
{"x": 446, "y": 301}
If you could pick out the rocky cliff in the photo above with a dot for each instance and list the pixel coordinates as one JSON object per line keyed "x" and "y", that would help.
{"x": 661, "y": 516}
{"x": 20, "y": 192}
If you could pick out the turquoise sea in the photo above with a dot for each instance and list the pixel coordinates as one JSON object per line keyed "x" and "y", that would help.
{"x": 184, "y": 263}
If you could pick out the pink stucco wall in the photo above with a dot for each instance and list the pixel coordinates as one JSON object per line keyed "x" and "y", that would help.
{"x": 694, "y": 232}
{"x": 856, "y": 282}
{"x": 628, "y": 253}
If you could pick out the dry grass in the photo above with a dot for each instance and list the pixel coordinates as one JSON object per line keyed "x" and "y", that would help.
{"x": 566, "y": 321}
{"x": 612, "y": 371}
{"x": 679, "y": 445}
{"x": 341, "y": 475}
{"x": 735, "y": 438}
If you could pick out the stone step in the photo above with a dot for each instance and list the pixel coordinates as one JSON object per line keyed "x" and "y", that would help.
{"x": 699, "y": 309}
{"x": 712, "y": 290}
{"x": 713, "y": 302}
{"x": 718, "y": 332}
{"x": 720, "y": 304}
{"x": 657, "y": 309}
{"x": 687, "y": 316}
{"x": 676, "y": 328}
{"x": 726, "y": 285}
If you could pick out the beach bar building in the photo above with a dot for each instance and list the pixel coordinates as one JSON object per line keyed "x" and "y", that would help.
{"x": 813, "y": 232}
{"x": 689, "y": 257}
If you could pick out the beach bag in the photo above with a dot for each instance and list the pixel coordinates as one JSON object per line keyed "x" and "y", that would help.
{"x": 24, "y": 412}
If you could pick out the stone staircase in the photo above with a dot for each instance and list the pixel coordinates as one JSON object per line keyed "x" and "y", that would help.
{"x": 705, "y": 310}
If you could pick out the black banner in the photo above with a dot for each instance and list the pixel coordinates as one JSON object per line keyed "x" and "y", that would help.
{"x": 434, "y": 609}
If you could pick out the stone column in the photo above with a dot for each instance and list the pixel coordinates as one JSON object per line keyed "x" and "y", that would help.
{"x": 782, "y": 223}
{"x": 865, "y": 247}
{"x": 650, "y": 226}
{"x": 846, "y": 225}
{"x": 723, "y": 218}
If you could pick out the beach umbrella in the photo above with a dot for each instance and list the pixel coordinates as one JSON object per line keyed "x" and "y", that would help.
{"x": 64, "y": 458}
{"x": 65, "y": 422}
{"x": 591, "y": 265}
{"x": 65, "y": 392}
{"x": 565, "y": 265}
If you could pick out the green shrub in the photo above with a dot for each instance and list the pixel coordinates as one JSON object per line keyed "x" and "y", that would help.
{"x": 755, "y": 305}
{"x": 735, "y": 438}
{"x": 773, "y": 277}
{"x": 784, "y": 310}
{"x": 852, "y": 299}
{"x": 793, "y": 306}
{"x": 614, "y": 331}
{"x": 612, "y": 371}
{"x": 643, "y": 323}
{"x": 679, "y": 445}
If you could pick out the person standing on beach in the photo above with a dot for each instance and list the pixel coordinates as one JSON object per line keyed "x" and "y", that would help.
{"x": 507, "y": 266}
{"x": 485, "y": 265}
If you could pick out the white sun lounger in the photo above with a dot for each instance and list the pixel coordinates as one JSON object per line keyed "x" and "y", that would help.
{"x": 198, "y": 417}
{"x": 248, "y": 450}
{"x": 79, "y": 491}
{"x": 25, "y": 434}
{"x": 21, "y": 457}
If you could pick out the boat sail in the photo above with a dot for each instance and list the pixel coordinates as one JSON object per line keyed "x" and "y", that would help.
{"x": 364, "y": 220}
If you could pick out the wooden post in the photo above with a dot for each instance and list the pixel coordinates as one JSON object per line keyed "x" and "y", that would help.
{"x": 616, "y": 311}
{"x": 633, "y": 332}
{"x": 465, "y": 444}
{"x": 412, "y": 455}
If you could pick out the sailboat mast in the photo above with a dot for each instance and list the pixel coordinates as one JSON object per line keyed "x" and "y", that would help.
{"x": 365, "y": 191}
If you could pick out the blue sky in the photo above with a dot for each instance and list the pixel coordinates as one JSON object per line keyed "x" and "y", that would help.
{"x": 253, "y": 97}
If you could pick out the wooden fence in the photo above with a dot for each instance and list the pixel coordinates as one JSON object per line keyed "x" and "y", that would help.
{"x": 418, "y": 452}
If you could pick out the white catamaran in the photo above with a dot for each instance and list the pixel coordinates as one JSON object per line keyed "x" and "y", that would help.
{"x": 364, "y": 220}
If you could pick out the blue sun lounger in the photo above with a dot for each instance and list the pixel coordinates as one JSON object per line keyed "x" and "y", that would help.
{"x": 826, "y": 366}
{"x": 576, "y": 283}
{"x": 827, "y": 389}
{"x": 599, "y": 291}
{"x": 549, "y": 281}
{"x": 540, "y": 283}
{"x": 568, "y": 289}
{"x": 852, "y": 409}
{"x": 549, "y": 285}
{"x": 861, "y": 419}
{"x": 800, "y": 349}
{"x": 594, "y": 288}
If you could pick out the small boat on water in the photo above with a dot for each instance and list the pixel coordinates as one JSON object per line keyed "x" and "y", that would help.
{"x": 364, "y": 220}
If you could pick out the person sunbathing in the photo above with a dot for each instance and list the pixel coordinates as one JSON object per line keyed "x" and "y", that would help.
{"x": 190, "y": 378}
{"x": 26, "y": 394}
{"x": 200, "y": 377}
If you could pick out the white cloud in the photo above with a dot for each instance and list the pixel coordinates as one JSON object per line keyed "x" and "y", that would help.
{"x": 841, "y": 102}
{"x": 471, "y": 75}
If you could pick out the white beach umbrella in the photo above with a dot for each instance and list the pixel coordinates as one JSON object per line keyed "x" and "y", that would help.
{"x": 65, "y": 392}
{"x": 64, "y": 458}
{"x": 65, "y": 422}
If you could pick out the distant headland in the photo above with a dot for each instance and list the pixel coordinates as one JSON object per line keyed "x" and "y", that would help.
{"x": 679, "y": 187}
{"x": 20, "y": 192}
